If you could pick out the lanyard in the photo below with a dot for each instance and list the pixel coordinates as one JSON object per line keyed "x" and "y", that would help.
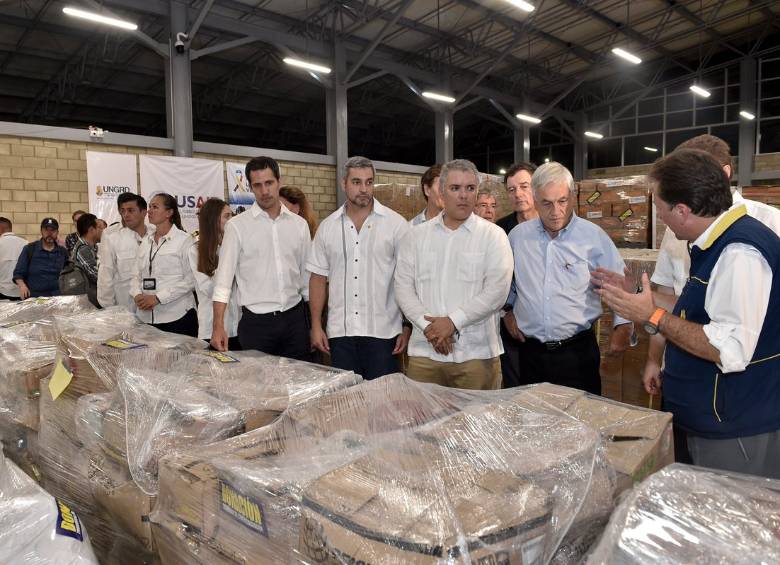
{"x": 152, "y": 257}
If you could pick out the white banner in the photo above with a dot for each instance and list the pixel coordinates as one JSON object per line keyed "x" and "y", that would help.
{"x": 190, "y": 181}
{"x": 108, "y": 176}
{"x": 240, "y": 195}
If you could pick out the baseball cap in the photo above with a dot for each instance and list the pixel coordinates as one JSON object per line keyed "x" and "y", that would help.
{"x": 50, "y": 223}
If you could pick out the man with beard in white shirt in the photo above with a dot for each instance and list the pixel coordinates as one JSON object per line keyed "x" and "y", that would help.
{"x": 117, "y": 253}
{"x": 452, "y": 278}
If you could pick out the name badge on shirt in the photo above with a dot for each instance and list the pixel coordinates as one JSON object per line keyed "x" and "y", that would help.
{"x": 150, "y": 284}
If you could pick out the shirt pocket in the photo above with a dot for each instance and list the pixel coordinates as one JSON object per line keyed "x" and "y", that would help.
{"x": 126, "y": 263}
{"x": 575, "y": 276}
{"x": 470, "y": 266}
{"x": 166, "y": 262}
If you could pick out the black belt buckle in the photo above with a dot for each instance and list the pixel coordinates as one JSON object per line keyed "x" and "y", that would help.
{"x": 553, "y": 345}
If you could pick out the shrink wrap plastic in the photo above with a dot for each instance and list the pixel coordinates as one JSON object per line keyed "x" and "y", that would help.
{"x": 685, "y": 514}
{"x": 394, "y": 471}
{"x": 36, "y": 528}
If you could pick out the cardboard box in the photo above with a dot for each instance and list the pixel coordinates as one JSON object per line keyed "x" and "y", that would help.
{"x": 498, "y": 517}
{"x": 406, "y": 199}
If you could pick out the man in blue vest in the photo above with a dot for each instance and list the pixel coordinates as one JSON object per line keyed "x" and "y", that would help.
{"x": 722, "y": 362}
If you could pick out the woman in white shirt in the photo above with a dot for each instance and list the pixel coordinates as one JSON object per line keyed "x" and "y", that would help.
{"x": 163, "y": 285}
{"x": 204, "y": 258}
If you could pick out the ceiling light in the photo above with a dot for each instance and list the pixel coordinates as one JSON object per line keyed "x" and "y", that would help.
{"x": 306, "y": 65}
{"x": 501, "y": 171}
{"x": 440, "y": 97}
{"x": 527, "y": 118}
{"x": 525, "y": 6}
{"x": 546, "y": 159}
{"x": 92, "y": 16}
{"x": 651, "y": 149}
{"x": 747, "y": 115}
{"x": 623, "y": 54}
{"x": 594, "y": 135}
{"x": 700, "y": 91}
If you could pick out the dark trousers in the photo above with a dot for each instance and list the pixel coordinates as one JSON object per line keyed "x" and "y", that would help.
{"x": 4, "y": 297}
{"x": 186, "y": 325}
{"x": 510, "y": 359}
{"x": 369, "y": 357}
{"x": 574, "y": 364}
{"x": 284, "y": 334}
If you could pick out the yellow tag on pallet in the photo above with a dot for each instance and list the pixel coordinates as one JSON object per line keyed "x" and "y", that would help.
{"x": 60, "y": 380}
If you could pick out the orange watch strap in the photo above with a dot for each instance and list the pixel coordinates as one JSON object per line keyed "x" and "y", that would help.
{"x": 655, "y": 319}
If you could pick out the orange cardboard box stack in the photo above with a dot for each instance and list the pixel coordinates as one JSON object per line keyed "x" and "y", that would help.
{"x": 406, "y": 199}
{"x": 621, "y": 375}
{"x": 621, "y": 206}
{"x": 766, "y": 194}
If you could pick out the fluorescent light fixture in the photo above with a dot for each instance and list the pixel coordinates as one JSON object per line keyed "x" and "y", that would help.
{"x": 623, "y": 54}
{"x": 439, "y": 97}
{"x": 747, "y": 115}
{"x": 292, "y": 61}
{"x": 527, "y": 118}
{"x": 501, "y": 171}
{"x": 594, "y": 135}
{"x": 546, "y": 159}
{"x": 95, "y": 17}
{"x": 700, "y": 91}
{"x": 525, "y": 6}
{"x": 651, "y": 149}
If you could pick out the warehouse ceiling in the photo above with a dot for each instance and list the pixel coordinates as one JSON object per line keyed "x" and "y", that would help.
{"x": 496, "y": 58}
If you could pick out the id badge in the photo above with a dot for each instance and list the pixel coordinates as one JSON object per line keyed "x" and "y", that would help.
{"x": 150, "y": 284}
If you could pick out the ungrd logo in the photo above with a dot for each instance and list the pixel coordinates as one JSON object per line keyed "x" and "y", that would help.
{"x": 68, "y": 524}
{"x": 111, "y": 189}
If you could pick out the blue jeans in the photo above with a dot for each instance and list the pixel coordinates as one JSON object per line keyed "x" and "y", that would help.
{"x": 369, "y": 357}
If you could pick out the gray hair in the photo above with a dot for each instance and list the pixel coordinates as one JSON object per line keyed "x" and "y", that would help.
{"x": 552, "y": 172}
{"x": 357, "y": 162}
{"x": 462, "y": 165}
{"x": 485, "y": 192}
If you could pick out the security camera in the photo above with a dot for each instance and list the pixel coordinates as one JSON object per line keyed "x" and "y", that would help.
{"x": 181, "y": 37}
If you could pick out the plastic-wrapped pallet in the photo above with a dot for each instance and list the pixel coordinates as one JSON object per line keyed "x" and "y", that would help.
{"x": 66, "y": 467}
{"x": 388, "y": 471}
{"x": 173, "y": 401}
{"x": 27, "y": 353}
{"x": 35, "y": 527}
{"x": 685, "y": 514}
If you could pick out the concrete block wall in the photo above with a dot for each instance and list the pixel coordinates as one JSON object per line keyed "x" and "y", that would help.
{"x": 42, "y": 177}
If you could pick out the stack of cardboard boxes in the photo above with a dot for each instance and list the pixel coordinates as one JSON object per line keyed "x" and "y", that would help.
{"x": 621, "y": 206}
{"x": 766, "y": 194}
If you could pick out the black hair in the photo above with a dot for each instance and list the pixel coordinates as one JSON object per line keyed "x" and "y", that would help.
{"x": 85, "y": 222}
{"x": 695, "y": 178}
{"x": 517, "y": 167}
{"x": 6, "y": 221}
{"x": 169, "y": 202}
{"x": 260, "y": 163}
{"x": 126, "y": 197}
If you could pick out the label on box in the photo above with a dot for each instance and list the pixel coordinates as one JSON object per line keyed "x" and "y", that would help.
{"x": 123, "y": 344}
{"x": 408, "y": 190}
{"x": 244, "y": 509}
{"x": 68, "y": 524}
{"x": 593, "y": 197}
{"x": 625, "y": 215}
{"x": 637, "y": 199}
{"x": 221, "y": 357}
{"x": 38, "y": 300}
{"x": 60, "y": 380}
{"x": 595, "y": 215}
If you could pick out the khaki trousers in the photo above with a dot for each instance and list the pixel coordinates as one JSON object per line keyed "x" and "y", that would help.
{"x": 477, "y": 374}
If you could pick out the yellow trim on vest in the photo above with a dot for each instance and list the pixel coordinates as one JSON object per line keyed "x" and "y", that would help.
{"x": 725, "y": 223}
{"x": 715, "y": 398}
{"x": 697, "y": 279}
{"x": 682, "y": 314}
{"x": 775, "y": 356}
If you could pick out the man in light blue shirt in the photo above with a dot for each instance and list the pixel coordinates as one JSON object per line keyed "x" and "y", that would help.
{"x": 554, "y": 307}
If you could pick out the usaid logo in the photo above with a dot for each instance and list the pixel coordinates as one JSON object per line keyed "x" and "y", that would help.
{"x": 189, "y": 201}
{"x": 111, "y": 189}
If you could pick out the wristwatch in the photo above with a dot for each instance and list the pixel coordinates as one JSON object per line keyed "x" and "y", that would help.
{"x": 651, "y": 325}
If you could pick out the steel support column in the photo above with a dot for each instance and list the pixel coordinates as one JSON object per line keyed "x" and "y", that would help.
{"x": 580, "y": 147}
{"x": 522, "y": 143}
{"x": 444, "y": 136}
{"x": 337, "y": 116}
{"x": 747, "y": 128}
{"x": 180, "y": 106}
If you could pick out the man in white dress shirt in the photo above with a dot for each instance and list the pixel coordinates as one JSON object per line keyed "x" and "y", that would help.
{"x": 451, "y": 280}
{"x": 430, "y": 188}
{"x": 117, "y": 253}
{"x": 264, "y": 250}
{"x": 352, "y": 262}
{"x": 11, "y": 246}
{"x": 721, "y": 377}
